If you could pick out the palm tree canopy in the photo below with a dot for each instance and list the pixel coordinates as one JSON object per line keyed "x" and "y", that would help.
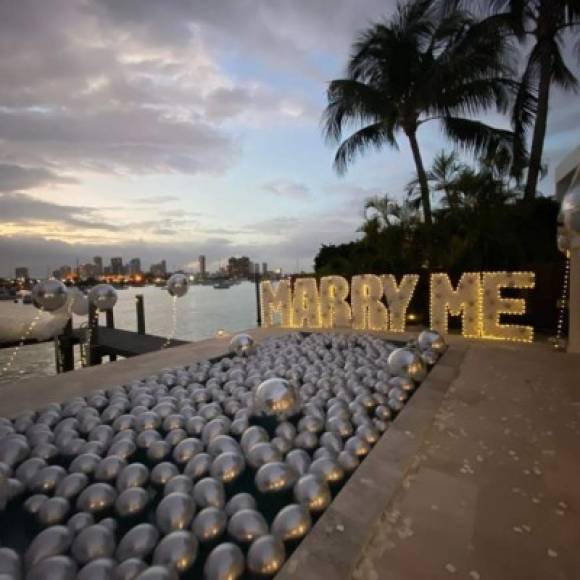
{"x": 422, "y": 65}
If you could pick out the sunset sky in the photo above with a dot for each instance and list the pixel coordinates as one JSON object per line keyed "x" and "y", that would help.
{"x": 169, "y": 129}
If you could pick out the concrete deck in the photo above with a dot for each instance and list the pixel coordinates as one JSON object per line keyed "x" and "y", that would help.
{"x": 478, "y": 478}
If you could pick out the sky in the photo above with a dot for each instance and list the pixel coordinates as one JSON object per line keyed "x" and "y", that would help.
{"x": 169, "y": 129}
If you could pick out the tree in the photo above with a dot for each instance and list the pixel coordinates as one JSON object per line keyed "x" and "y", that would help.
{"x": 545, "y": 23}
{"x": 423, "y": 64}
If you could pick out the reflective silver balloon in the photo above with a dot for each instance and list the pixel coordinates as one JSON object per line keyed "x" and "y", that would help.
{"x": 99, "y": 569}
{"x": 129, "y": 569}
{"x": 174, "y": 512}
{"x": 275, "y": 477}
{"x": 404, "y": 362}
{"x": 85, "y": 463}
{"x": 429, "y": 357}
{"x": 348, "y": 461}
{"x": 79, "y": 302}
{"x": 177, "y": 285}
{"x": 34, "y": 502}
{"x": 72, "y": 485}
{"x": 26, "y": 471}
{"x": 198, "y": 467}
{"x": 109, "y": 468}
{"x": 266, "y": 556}
{"x": 131, "y": 502}
{"x": 292, "y": 523}
{"x": 96, "y": 498}
{"x": 328, "y": 469}
{"x": 227, "y": 467}
{"x": 239, "y": 502}
{"x": 80, "y": 521}
{"x": 368, "y": 433}
{"x": 312, "y": 492}
{"x": 209, "y": 524}
{"x": 53, "y": 541}
{"x": 10, "y": 565}
{"x": 222, "y": 444}
{"x": 181, "y": 483}
{"x": 252, "y": 436}
{"x": 247, "y": 525}
{"x": 178, "y": 550}
{"x": 357, "y": 446}
{"x": 570, "y": 210}
{"x": 431, "y": 340}
{"x": 158, "y": 573}
{"x": 262, "y": 453}
{"x": 138, "y": 542}
{"x": 163, "y": 472}
{"x": 158, "y": 451}
{"x": 299, "y": 460}
{"x": 103, "y": 297}
{"x": 186, "y": 450}
{"x": 46, "y": 479}
{"x": 276, "y": 398}
{"x": 209, "y": 492}
{"x": 134, "y": 475}
{"x": 93, "y": 542}
{"x": 53, "y": 568}
{"x": 225, "y": 562}
{"x": 53, "y": 511}
{"x": 49, "y": 295}
{"x": 242, "y": 345}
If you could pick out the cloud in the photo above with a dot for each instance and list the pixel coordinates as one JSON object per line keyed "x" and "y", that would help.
{"x": 157, "y": 199}
{"x": 16, "y": 177}
{"x": 287, "y": 188}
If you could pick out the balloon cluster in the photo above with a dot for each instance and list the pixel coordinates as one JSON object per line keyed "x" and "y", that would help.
{"x": 174, "y": 474}
{"x": 51, "y": 295}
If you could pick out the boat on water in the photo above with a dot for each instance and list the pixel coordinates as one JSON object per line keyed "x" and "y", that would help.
{"x": 223, "y": 284}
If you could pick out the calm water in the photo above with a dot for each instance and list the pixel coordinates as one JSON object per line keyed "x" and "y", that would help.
{"x": 199, "y": 314}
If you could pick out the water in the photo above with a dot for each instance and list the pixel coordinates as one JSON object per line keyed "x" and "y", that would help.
{"x": 199, "y": 315}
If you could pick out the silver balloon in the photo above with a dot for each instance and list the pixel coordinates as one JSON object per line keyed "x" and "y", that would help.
{"x": 53, "y": 511}
{"x": 71, "y": 485}
{"x": 99, "y": 569}
{"x": 49, "y": 295}
{"x": 198, "y": 467}
{"x": 239, "y": 502}
{"x": 275, "y": 477}
{"x": 222, "y": 444}
{"x": 404, "y": 362}
{"x": 134, "y": 475}
{"x": 26, "y": 471}
{"x": 292, "y": 523}
{"x": 129, "y": 569}
{"x": 357, "y": 446}
{"x": 252, "y": 436}
{"x": 225, "y": 562}
{"x": 158, "y": 451}
{"x": 276, "y": 398}
{"x": 328, "y": 469}
{"x": 209, "y": 492}
{"x": 10, "y": 565}
{"x": 348, "y": 461}
{"x": 109, "y": 468}
{"x": 431, "y": 340}
{"x": 178, "y": 285}
{"x": 138, "y": 542}
{"x": 53, "y": 541}
{"x": 53, "y": 568}
{"x": 96, "y": 498}
{"x": 174, "y": 512}
{"x": 563, "y": 242}
{"x": 227, "y": 467}
{"x": 131, "y": 502}
{"x": 186, "y": 450}
{"x": 312, "y": 492}
{"x": 242, "y": 345}
{"x": 247, "y": 525}
{"x": 85, "y": 463}
{"x": 181, "y": 483}
{"x": 93, "y": 542}
{"x": 158, "y": 573}
{"x": 177, "y": 550}
{"x": 429, "y": 357}
{"x": 103, "y": 297}
{"x": 262, "y": 453}
{"x": 209, "y": 524}
{"x": 46, "y": 479}
{"x": 266, "y": 556}
{"x": 570, "y": 210}
{"x": 13, "y": 450}
{"x": 80, "y": 521}
{"x": 34, "y": 502}
{"x": 299, "y": 460}
{"x": 163, "y": 472}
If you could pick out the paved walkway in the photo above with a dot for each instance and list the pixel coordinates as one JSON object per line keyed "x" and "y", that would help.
{"x": 495, "y": 488}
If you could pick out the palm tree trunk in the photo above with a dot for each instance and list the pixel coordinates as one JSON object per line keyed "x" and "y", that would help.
{"x": 422, "y": 176}
{"x": 539, "y": 127}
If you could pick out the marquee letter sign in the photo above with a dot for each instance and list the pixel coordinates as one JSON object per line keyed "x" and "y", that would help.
{"x": 379, "y": 303}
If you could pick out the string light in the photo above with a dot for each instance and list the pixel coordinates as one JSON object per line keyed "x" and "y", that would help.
{"x": 558, "y": 344}
{"x": 305, "y": 304}
{"x": 276, "y": 301}
{"x": 494, "y": 305}
{"x": 464, "y": 301}
{"x": 171, "y": 336}
{"x": 368, "y": 310}
{"x": 335, "y": 311}
{"x": 398, "y": 298}
{"x": 23, "y": 338}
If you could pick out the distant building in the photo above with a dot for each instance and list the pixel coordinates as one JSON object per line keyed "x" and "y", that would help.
{"x": 21, "y": 273}
{"x": 87, "y": 271}
{"x": 264, "y": 268}
{"x": 202, "y": 270}
{"x": 135, "y": 266}
{"x": 107, "y": 271}
{"x": 98, "y": 261}
{"x": 117, "y": 266}
{"x": 240, "y": 267}
{"x": 63, "y": 272}
{"x": 160, "y": 269}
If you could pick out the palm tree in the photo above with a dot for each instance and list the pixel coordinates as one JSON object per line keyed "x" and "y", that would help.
{"x": 546, "y": 23}
{"x": 442, "y": 177}
{"x": 421, "y": 65}
{"x": 384, "y": 207}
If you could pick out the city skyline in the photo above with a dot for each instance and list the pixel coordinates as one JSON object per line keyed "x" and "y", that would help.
{"x": 188, "y": 129}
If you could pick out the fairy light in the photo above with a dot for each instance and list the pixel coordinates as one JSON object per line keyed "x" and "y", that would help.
{"x": 171, "y": 336}
{"x": 276, "y": 301}
{"x": 563, "y": 304}
{"x": 23, "y": 338}
{"x": 494, "y": 305}
{"x": 368, "y": 310}
{"x": 335, "y": 311}
{"x": 398, "y": 299}
{"x": 464, "y": 301}
{"x": 305, "y": 304}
